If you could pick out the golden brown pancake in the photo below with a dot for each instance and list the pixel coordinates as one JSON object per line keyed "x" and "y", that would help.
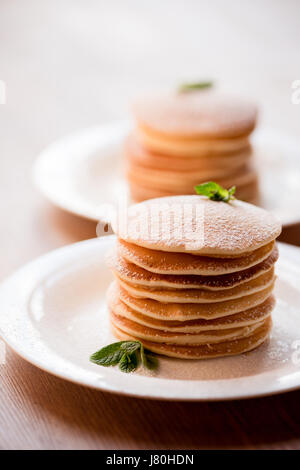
{"x": 248, "y": 192}
{"x": 140, "y": 156}
{"x": 162, "y": 262}
{"x": 160, "y": 336}
{"x": 191, "y": 148}
{"x": 193, "y": 311}
{"x": 204, "y": 351}
{"x": 198, "y": 225}
{"x": 200, "y": 295}
{"x": 170, "y": 180}
{"x": 240, "y": 319}
{"x": 140, "y": 193}
{"x": 134, "y": 274}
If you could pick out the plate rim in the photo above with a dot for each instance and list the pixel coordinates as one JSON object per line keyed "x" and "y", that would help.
{"x": 117, "y": 126}
{"x": 37, "y": 362}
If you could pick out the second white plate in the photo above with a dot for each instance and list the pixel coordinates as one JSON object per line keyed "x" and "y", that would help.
{"x": 82, "y": 173}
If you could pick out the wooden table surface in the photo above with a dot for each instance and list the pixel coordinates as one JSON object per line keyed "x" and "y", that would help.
{"x": 71, "y": 64}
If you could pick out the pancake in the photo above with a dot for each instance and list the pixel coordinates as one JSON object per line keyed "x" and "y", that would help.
{"x": 140, "y": 156}
{"x": 140, "y": 190}
{"x": 200, "y": 295}
{"x": 140, "y": 193}
{"x": 200, "y": 115}
{"x": 240, "y": 319}
{"x": 256, "y": 201}
{"x": 248, "y": 192}
{"x": 134, "y": 274}
{"x": 190, "y": 148}
{"x": 198, "y": 225}
{"x": 162, "y": 262}
{"x": 160, "y": 336}
{"x": 170, "y": 180}
{"x": 204, "y": 351}
{"x": 192, "y": 311}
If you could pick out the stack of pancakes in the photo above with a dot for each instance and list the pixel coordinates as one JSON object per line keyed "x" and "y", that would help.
{"x": 188, "y": 138}
{"x": 194, "y": 277}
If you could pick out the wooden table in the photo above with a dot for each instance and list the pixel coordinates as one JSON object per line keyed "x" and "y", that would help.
{"x": 71, "y": 64}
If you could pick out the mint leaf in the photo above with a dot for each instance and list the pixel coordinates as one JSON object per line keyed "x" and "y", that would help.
{"x": 148, "y": 361}
{"x": 109, "y": 355}
{"x": 231, "y": 191}
{"x": 151, "y": 362}
{"x": 127, "y": 354}
{"x": 195, "y": 86}
{"x": 128, "y": 362}
{"x": 143, "y": 356}
{"x": 215, "y": 192}
{"x": 130, "y": 346}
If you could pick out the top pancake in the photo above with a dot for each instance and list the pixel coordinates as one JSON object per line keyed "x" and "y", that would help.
{"x": 195, "y": 114}
{"x": 198, "y": 225}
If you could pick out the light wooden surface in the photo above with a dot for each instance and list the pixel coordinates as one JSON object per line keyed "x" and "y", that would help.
{"x": 71, "y": 64}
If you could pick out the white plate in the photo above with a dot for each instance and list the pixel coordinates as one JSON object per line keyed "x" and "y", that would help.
{"x": 53, "y": 313}
{"x": 82, "y": 172}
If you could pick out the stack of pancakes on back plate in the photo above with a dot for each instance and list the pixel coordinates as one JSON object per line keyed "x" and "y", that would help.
{"x": 187, "y": 138}
{"x": 194, "y": 277}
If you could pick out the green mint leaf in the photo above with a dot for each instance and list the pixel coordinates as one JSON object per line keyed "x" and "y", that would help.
{"x": 195, "y": 86}
{"x": 232, "y": 190}
{"x": 151, "y": 362}
{"x": 148, "y": 361}
{"x": 130, "y": 346}
{"x": 127, "y": 354}
{"x": 143, "y": 355}
{"x": 109, "y": 355}
{"x": 128, "y": 362}
{"x": 215, "y": 192}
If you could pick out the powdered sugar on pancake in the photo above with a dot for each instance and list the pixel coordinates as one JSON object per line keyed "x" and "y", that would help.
{"x": 198, "y": 225}
{"x": 199, "y": 114}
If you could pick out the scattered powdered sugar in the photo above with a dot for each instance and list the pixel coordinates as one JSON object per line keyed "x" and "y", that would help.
{"x": 276, "y": 354}
{"x": 278, "y": 351}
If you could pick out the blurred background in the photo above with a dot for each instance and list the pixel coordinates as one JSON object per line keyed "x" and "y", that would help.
{"x": 70, "y": 64}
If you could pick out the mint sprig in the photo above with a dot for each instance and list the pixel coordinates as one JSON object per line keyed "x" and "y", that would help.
{"x": 127, "y": 354}
{"x": 195, "y": 86}
{"x": 128, "y": 362}
{"x": 215, "y": 192}
{"x": 148, "y": 361}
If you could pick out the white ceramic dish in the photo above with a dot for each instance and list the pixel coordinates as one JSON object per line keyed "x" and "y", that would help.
{"x": 82, "y": 172}
{"x": 53, "y": 314}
